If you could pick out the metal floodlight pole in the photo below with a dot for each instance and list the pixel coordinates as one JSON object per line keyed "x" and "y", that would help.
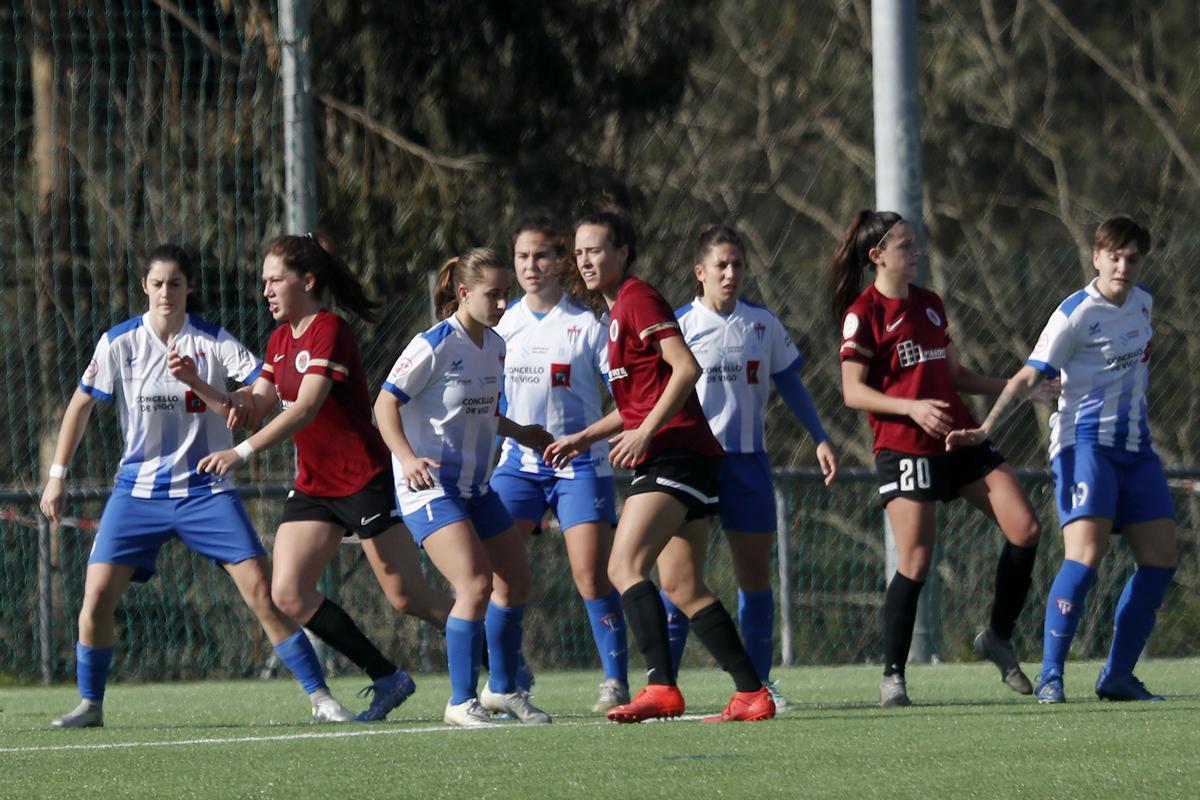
{"x": 299, "y": 151}
{"x": 898, "y": 184}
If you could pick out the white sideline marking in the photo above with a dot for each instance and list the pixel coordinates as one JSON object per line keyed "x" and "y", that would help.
{"x": 287, "y": 737}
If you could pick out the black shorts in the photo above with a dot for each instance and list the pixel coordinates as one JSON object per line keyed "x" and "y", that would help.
{"x": 687, "y": 476}
{"x": 368, "y": 512}
{"x": 933, "y": 478}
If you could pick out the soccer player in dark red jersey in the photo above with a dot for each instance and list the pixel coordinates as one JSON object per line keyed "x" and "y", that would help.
{"x": 344, "y": 479}
{"x": 659, "y": 430}
{"x": 899, "y": 365}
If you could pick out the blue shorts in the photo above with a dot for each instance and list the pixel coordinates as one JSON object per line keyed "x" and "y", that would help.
{"x": 1092, "y": 480}
{"x": 487, "y": 515}
{"x": 747, "y": 496}
{"x": 132, "y": 529}
{"x": 574, "y": 500}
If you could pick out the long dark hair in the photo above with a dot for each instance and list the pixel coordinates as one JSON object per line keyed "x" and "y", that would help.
{"x": 867, "y": 231}
{"x": 620, "y": 234}
{"x": 465, "y": 270}
{"x": 172, "y": 252}
{"x": 710, "y": 237}
{"x": 316, "y": 254}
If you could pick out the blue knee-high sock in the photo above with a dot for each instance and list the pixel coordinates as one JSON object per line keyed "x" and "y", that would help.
{"x": 464, "y": 651}
{"x": 756, "y": 616}
{"x": 298, "y": 654}
{"x": 1064, "y": 609}
{"x": 608, "y": 629}
{"x": 678, "y": 626}
{"x": 503, "y": 625}
{"x": 1134, "y": 620}
{"x": 91, "y": 670}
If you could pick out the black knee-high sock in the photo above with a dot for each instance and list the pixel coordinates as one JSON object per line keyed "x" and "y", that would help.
{"x": 647, "y": 621}
{"x": 716, "y": 630}
{"x": 899, "y": 616}
{"x": 1014, "y": 574}
{"x": 337, "y": 630}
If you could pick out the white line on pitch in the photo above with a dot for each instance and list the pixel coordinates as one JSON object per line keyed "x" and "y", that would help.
{"x": 284, "y": 737}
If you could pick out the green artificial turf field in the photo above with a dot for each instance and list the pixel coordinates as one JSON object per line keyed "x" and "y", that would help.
{"x": 967, "y": 736}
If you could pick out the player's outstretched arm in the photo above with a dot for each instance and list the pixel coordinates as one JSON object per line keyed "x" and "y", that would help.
{"x": 1017, "y": 389}
{"x": 561, "y": 452}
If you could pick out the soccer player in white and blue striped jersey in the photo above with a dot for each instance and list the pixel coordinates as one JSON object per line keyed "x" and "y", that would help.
{"x": 439, "y": 415}
{"x": 557, "y": 353}
{"x": 742, "y": 349}
{"x": 145, "y": 365}
{"x": 1107, "y": 477}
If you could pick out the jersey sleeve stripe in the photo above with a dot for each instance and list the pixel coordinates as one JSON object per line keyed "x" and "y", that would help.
{"x": 253, "y": 376}
{"x": 397, "y": 391}
{"x": 662, "y": 326}
{"x": 94, "y": 392}
{"x": 858, "y": 348}
{"x": 1043, "y": 367}
{"x": 330, "y": 365}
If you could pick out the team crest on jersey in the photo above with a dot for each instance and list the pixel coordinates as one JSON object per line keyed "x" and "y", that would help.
{"x": 760, "y": 330}
{"x": 192, "y": 404}
{"x": 573, "y": 333}
{"x": 402, "y": 368}
{"x": 614, "y": 330}
{"x": 850, "y": 326}
{"x": 752, "y": 371}
{"x": 303, "y": 358}
{"x": 1064, "y": 606}
{"x": 560, "y": 375}
{"x": 933, "y": 317}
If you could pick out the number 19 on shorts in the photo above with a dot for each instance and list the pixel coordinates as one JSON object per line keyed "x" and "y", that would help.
{"x": 914, "y": 474}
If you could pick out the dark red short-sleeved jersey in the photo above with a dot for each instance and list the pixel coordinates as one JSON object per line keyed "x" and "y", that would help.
{"x": 903, "y": 342}
{"x": 339, "y": 452}
{"x": 638, "y": 374}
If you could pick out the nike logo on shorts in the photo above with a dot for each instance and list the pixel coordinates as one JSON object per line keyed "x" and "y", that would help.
{"x": 894, "y": 324}
{"x": 635, "y": 480}
{"x": 364, "y": 521}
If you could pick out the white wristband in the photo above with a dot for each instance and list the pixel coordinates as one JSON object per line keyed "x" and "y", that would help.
{"x": 244, "y": 450}
{"x": 58, "y": 471}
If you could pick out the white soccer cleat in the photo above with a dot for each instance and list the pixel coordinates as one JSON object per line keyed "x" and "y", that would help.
{"x": 327, "y": 709}
{"x": 781, "y": 702}
{"x": 893, "y": 692}
{"x": 467, "y": 714}
{"x": 613, "y": 693}
{"x": 515, "y": 703}
{"x": 88, "y": 714}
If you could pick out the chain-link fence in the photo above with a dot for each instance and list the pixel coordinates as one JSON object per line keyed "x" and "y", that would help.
{"x": 189, "y": 621}
{"x": 124, "y": 123}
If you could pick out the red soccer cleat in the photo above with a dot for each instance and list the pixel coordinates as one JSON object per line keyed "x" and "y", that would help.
{"x": 654, "y": 702}
{"x": 746, "y": 707}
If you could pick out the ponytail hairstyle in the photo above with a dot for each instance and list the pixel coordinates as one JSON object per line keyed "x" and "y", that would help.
{"x": 1117, "y": 233}
{"x": 868, "y": 230}
{"x": 465, "y": 270}
{"x": 620, "y": 234}
{"x": 710, "y": 237}
{"x": 315, "y": 253}
{"x": 175, "y": 253}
